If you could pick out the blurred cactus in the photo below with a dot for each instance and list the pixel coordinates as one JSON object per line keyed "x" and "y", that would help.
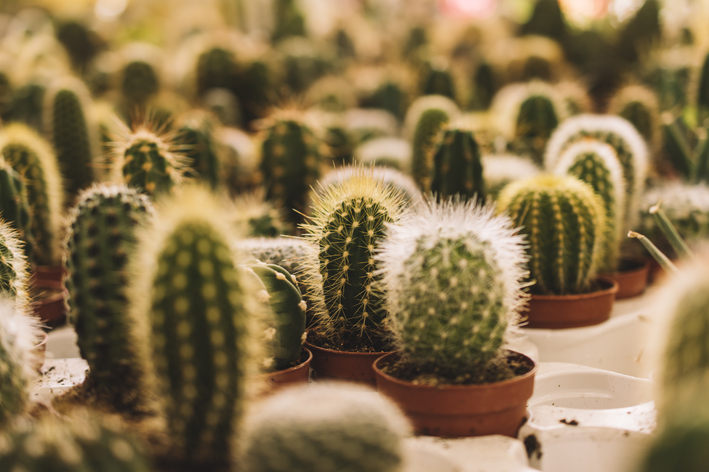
{"x": 640, "y": 33}
{"x": 27, "y": 105}
{"x": 195, "y": 138}
{"x": 285, "y": 252}
{"x": 437, "y": 78}
{"x": 485, "y": 85}
{"x": 457, "y": 168}
{"x": 639, "y": 105}
{"x": 81, "y": 43}
{"x": 502, "y": 169}
{"x": 305, "y": 61}
{"x": 289, "y": 20}
{"x": 140, "y": 82}
{"x": 216, "y": 67}
{"x": 14, "y": 207}
{"x": 547, "y": 20}
{"x": 224, "y": 105}
{"x": 259, "y": 217}
{"x": 239, "y": 158}
{"x": 564, "y": 221}
{"x": 14, "y": 277}
{"x": 394, "y": 153}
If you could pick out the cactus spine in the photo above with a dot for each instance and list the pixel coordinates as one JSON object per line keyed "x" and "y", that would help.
{"x": 564, "y": 221}
{"x": 392, "y": 178}
{"x": 14, "y": 207}
{"x": 323, "y": 428}
{"x": 457, "y": 167}
{"x": 596, "y": 164}
{"x": 13, "y": 266}
{"x": 347, "y": 225}
{"x": 100, "y": 239}
{"x": 453, "y": 278}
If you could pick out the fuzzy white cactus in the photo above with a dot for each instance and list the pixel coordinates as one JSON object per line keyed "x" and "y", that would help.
{"x": 386, "y": 152}
{"x": 501, "y": 169}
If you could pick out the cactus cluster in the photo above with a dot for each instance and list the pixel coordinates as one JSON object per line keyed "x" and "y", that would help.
{"x": 100, "y": 240}
{"x": 564, "y": 221}
{"x": 453, "y": 279}
{"x": 328, "y": 427}
{"x": 457, "y": 168}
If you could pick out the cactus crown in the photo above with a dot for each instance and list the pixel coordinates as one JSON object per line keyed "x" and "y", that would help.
{"x": 399, "y": 182}
{"x": 596, "y": 164}
{"x": 347, "y": 224}
{"x": 638, "y": 105}
{"x": 427, "y": 102}
{"x": 453, "y": 277}
{"x": 564, "y": 221}
{"x": 32, "y": 157}
{"x": 341, "y": 425}
{"x": 14, "y": 276}
{"x": 457, "y": 167}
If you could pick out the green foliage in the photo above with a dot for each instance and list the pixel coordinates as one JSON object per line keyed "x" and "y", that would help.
{"x": 457, "y": 168}
{"x": 564, "y": 221}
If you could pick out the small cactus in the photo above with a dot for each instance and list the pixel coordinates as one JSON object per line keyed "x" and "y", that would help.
{"x": 596, "y": 164}
{"x": 139, "y": 77}
{"x": 422, "y": 104}
{"x": 14, "y": 276}
{"x": 450, "y": 270}
{"x": 564, "y": 221}
{"x": 288, "y": 253}
{"x": 437, "y": 79}
{"x": 457, "y": 167}
{"x": 289, "y": 20}
{"x": 216, "y": 67}
{"x": 428, "y": 131}
{"x": 329, "y": 427}
{"x": 14, "y": 207}
{"x": 195, "y": 138}
{"x": 258, "y": 217}
{"x": 639, "y": 105}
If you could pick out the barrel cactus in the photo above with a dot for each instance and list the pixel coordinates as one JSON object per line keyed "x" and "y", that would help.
{"x": 457, "y": 167}
{"x": 33, "y": 159}
{"x": 328, "y": 427}
{"x": 596, "y": 164}
{"x": 100, "y": 239}
{"x": 453, "y": 275}
{"x": 564, "y": 221}
{"x": 14, "y": 206}
{"x": 14, "y": 277}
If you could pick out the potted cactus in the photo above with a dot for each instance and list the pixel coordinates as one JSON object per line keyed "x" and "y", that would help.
{"x": 564, "y": 221}
{"x": 453, "y": 277}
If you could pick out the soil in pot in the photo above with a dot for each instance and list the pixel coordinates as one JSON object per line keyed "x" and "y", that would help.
{"x": 297, "y": 373}
{"x": 572, "y": 311}
{"x": 49, "y": 302}
{"x": 464, "y": 409}
{"x": 631, "y": 276}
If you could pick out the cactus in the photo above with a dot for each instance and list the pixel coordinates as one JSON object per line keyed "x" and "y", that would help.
{"x": 305, "y": 61}
{"x": 484, "y": 86}
{"x": 80, "y": 42}
{"x": 457, "y": 168}
{"x": 428, "y": 130}
{"x": 240, "y": 160}
{"x": 72, "y": 132}
{"x": 216, "y": 68}
{"x": 14, "y": 276}
{"x": 14, "y": 207}
{"x": 365, "y": 124}
{"x": 347, "y": 225}
{"x": 288, "y": 309}
{"x": 596, "y": 164}
{"x": 639, "y": 105}
{"x": 422, "y": 104}
{"x": 564, "y": 221}
{"x": 224, "y": 104}
{"x": 291, "y": 155}
{"x": 437, "y": 79}
{"x": 393, "y": 179}
{"x": 84, "y": 442}
{"x": 258, "y": 217}
{"x": 389, "y": 96}
{"x": 140, "y": 82}
{"x": 194, "y": 137}
{"x": 547, "y": 20}
{"x": 32, "y": 158}
{"x": 289, "y": 20}
{"x": 385, "y": 152}
{"x": 288, "y": 253}
{"x": 27, "y": 105}
{"x": 501, "y": 169}
{"x": 187, "y": 287}
{"x": 453, "y": 269}
{"x": 687, "y": 149}
{"x": 629, "y": 146}
{"x": 100, "y": 240}
{"x": 680, "y": 448}
{"x": 324, "y": 428}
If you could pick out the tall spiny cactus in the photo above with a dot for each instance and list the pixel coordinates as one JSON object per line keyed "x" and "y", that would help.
{"x": 200, "y": 311}
{"x": 291, "y": 155}
{"x": 564, "y": 221}
{"x": 100, "y": 240}
{"x": 72, "y": 132}
{"x": 596, "y": 164}
{"x": 457, "y": 167}
{"x": 14, "y": 270}
{"x": 453, "y": 276}
{"x": 195, "y": 138}
{"x": 323, "y": 428}
{"x": 639, "y": 105}
{"x": 428, "y": 131}
{"x": 14, "y": 207}
{"x": 32, "y": 158}
{"x": 347, "y": 225}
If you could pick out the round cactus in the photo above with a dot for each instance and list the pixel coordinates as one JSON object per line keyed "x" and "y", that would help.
{"x": 325, "y": 428}
{"x": 13, "y": 266}
{"x": 100, "y": 239}
{"x": 564, "y": 221}
{"x": 457, "y": 168}
{"x": 596, "y": 164}
{"x": 14, "y": 207}
{"x": 453, "y": 279}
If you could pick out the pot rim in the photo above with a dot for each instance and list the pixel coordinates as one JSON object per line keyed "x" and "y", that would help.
{"x": 611, "y": 288}
{"x": 473, "y": 387}
{"x": 352, "y": 353}
{"x": 302, "y": 365}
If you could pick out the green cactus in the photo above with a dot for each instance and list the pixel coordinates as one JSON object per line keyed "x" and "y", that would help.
{"x": 428, "y": 129}
{"x": 639, "y": 105}
{"x": 72, "y": 133}
{"x": 484, "y": 87}
{"x": 80, "y": 42}
{"x": 216, "y": 67}
{"x": 85, "y": 442}
{"x": 14, "y": 270}
{"x": 305, "y": 61}
{"x": 564, "y": 221}
{"x": 596, "y": 164}
{"x": 389, "y": 96}
{"x": 27, "y": 105}
{"x": 100, "y": 239}
{"x": 391, "y": 178}
{"x": 289, "y": 20}
{"x": 288, "y": 309}
{"x": 195, "y": 137}
{"x": 680, "y": 448}
{"x": 547, "y": 20}
{"x": 288, "y": 253}
{"x": 14, "y": 207}
{"x": 32, "y": 158}
{"x": 148, "y": 161}
{"x": 325, "y": 428}
{"x": 140, "y": 82}
{"x": 347, "y": 224}
{"x": 259, "y": 217}
{"x": 457, "y": 167}
{"x": 437, "y": 79}
{"x": 290, "y": 164}
{"x": 6, "y": 92}
{"x": 187, "y": 287}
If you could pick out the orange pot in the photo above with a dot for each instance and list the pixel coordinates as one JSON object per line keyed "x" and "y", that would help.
{"x": 632, "y": 276}
{"x": 329, "y": 364}
{"x": 50, "y": 301}
{"x": 460, "y": 410}
{"x": 572, "y": 311}
{"x": 287, "y": 377}
{"x": 51, "y": 273}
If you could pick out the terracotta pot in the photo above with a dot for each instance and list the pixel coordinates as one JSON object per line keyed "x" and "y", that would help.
{"x": 329, "y": 364}
{"x": 461, "y": 410}
{"x": 40, "y": 351}
{"x": 287, "y": 377}
{"x": 632, "y": 276}
{"x": 50, "y": 273}
{"x": 49, "y": 302}
{"x": 572, "y": 311}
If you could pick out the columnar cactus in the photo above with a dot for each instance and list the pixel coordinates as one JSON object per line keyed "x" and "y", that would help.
{"x": 324, "y": 428}
{"x": 394, "y": 179}
{"x": 453, "y": 276}
{"x": 13, "y": 266}
{"x": 639, "y": 105}
{"x": 596, "y": 164}
{"x": 195, "y": 138}
{"x": 437, "y": 79}
{"x": 629, "y": 146}
{"x": 457, "y": 168}
{"x": 347, "y": 225}
{"x": 32, "y": 158}
{"x": 288, "y": 309}
{"x": 85, "y": 442}
{"x": 422, "y": 104}
{"x": 72, "y": 132}
{"x": 188, "y": 289}
{"x": 291, "y": 155}
{"x": 14, "y": 207}
{"x": 484, "y": 86}
{"x": 288, "y": 253}
{"x": 140, "y": 82}
{"x": 100, "y": 239}
{"x": 216, "y": 68}
{"x": 428, "y": 131}
{"x": 564, "y": 221}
